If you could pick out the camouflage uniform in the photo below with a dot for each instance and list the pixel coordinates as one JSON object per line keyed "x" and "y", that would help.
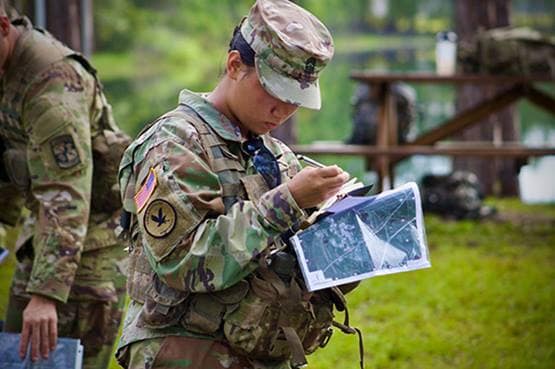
{"x": 194, "y": 250}
{"x": 203, "y": 221}
{"x": 55, "y": 122}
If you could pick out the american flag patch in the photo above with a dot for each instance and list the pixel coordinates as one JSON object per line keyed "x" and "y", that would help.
{"x": 142, "y": 196}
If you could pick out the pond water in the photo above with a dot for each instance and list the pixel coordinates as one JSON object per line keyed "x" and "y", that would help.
{"x": 434, "y": 104}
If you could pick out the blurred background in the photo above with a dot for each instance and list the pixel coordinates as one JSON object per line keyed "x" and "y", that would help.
{"x": 146, "y": 52}
{"x": 488, "y": 300}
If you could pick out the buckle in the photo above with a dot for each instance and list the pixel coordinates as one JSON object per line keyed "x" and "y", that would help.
{"x": 326, "y": 337}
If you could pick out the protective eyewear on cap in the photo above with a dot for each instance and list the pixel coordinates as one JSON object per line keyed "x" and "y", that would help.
{"x": 264, "y": 161}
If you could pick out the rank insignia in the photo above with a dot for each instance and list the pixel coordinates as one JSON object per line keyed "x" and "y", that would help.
{"x": 310, "y": 66}
{"x": 308, "y": 74}
{"x": 65, "y": 152}
{"x": 159, "y": 219}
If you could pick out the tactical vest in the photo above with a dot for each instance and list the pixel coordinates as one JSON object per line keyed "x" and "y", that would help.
{"x": 268, "y": 316}
{"x": 108, "y": 142}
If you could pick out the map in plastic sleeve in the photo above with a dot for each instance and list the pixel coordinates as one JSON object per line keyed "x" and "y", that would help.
{"x": 67, "y": 355}
{"x": 362, "y": 237}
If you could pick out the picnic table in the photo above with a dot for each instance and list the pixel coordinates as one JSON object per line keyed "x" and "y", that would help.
{"x": 387, "y": 151}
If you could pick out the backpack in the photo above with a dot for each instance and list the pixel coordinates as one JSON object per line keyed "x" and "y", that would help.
{"x": 457, "y": 195}
{"x": 365, "y": 113}
{"x": 508, "y": 51}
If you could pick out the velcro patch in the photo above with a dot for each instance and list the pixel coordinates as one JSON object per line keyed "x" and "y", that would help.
{"x": 65, "y": 152}
{"x": 160, "y": 218}
{"x": 146, "y": 190}
{"x": 167, "y": 218}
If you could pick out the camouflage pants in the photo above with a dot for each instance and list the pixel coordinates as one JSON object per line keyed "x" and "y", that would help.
{"x": 93, "y": 318}
{"x": 176, "y": 352}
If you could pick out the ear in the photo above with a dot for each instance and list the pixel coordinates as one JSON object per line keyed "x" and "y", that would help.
{"x": 234, "y": 65}
{"x": 4, "y": 25}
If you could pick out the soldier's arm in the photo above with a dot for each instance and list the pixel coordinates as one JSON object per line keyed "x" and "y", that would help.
{"x": 56, "y": 118}
{"x": 204, "y": 249}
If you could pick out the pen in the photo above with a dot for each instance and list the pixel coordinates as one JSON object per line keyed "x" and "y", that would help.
{"x": 310, "y": 161}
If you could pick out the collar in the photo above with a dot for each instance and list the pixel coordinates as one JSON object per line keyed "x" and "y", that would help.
{"x": 219, "y": 122}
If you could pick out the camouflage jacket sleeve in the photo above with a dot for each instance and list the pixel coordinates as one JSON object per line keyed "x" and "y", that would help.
{"x": 191, "y": 243}
{"x": 59, "y": 159}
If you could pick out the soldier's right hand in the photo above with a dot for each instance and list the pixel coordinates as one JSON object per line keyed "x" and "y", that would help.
{"x": 40, "y": 327}
{"x": 311, "y": 186}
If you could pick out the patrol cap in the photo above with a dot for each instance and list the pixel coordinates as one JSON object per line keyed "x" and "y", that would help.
{"x": 291, "y": 48}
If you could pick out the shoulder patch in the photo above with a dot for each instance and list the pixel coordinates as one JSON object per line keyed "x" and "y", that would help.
{"x": 159, "y": 218}
{"x": 65, "y": 152}
{"x": 146, "y": 190}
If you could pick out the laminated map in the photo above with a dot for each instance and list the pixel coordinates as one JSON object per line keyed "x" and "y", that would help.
{"x": 364, "y": 236}
{"x": 67, "y": 355}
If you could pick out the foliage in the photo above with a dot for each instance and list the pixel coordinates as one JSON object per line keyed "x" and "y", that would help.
{"x": 126, "y": 24}
{"x": 150, "y": 50}
{"x": 116, "y": 23}
{"x": 119, "y": 24}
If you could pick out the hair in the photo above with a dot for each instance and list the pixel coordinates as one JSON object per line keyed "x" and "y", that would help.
{"x": 239, "y": 43}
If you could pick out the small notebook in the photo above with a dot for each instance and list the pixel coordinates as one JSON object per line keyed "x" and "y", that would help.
{"x": 68, "y": 354}
{"x": 360, "y": 237}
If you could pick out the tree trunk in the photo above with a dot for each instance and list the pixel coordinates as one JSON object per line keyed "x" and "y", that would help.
{"x": 498, "y": 177}
{"x": 63, "y": 19}
{"x": 70, "y": 21}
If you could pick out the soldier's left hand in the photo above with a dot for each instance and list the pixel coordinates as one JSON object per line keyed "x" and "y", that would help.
{"x": 40, "y": 327}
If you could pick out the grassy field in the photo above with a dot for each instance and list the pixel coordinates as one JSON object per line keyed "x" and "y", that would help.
{"x": 487, "y": 302}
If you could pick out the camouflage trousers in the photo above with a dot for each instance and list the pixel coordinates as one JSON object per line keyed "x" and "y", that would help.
{"x": 94, "y": 309}
{"x": 177, "y": 352}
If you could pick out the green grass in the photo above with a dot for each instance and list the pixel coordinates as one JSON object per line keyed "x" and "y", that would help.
{"x": 487, "y": 301}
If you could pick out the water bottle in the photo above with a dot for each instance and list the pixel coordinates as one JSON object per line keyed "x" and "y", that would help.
{"x": 446, "y": 53}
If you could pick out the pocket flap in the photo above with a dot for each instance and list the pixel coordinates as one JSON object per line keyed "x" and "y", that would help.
{"x": 233, "y": 294}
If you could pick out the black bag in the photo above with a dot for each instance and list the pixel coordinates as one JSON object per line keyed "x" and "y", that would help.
{"x": 457, "y": 195}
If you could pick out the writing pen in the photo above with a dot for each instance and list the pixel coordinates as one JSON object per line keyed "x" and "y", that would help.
{"x": 310, "y": 161}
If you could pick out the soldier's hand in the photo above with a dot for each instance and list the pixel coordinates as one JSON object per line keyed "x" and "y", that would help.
{"x": 40, "y": 327}
{"x": 311, "y": 185}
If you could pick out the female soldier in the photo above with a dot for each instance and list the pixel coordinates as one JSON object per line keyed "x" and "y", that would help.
{"x": 209, "y": 193}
